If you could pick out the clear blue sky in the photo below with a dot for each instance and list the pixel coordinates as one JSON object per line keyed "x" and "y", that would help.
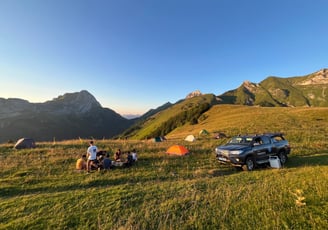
{"x": 134, "y": 55}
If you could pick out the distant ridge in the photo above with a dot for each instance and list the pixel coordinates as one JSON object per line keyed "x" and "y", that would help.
{"x": 170, "y": 116}
{"x": 69, "y": 116}
{"x": 79, "y": 114}
{"x": 308, "y": 90}
{"x": 80, "y": 102}
{"x": 131, "y": 116}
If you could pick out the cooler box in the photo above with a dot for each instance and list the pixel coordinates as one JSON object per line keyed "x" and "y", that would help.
{"x": 274, "y": 162}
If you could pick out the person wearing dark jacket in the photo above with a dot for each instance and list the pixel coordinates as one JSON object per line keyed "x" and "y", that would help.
{"x": 129, "y": 160}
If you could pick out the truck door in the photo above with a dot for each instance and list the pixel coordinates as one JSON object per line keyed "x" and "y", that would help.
{"x": 268, "y": 147}
{"x": 262, "y": 149}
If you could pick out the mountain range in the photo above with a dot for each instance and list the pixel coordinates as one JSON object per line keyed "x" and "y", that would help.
{"x": 309, "y": 90}
{"x": 69, "y": 116}
{"x": 79, "y": 114}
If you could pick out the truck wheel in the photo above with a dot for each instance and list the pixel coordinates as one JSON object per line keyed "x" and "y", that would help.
{"x": 283, "y": 157}
{"x": 249, "y": 164}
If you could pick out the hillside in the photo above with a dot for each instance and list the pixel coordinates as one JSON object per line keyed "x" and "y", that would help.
{"x": 303, "y": 91}
{"x": 43, "y": 191}
{"x": 167, "y": 119}
{"x": 75, "y": 115}
{"x": 308, "y": 90}
{"x": 238, "y": 119}
{"x": 69, "y": 116}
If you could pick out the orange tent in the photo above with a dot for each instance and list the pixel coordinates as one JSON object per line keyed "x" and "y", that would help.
{"x": 177, "y": 150}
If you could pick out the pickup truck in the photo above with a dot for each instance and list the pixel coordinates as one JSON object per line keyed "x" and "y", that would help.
{"x": 250, "y": 151}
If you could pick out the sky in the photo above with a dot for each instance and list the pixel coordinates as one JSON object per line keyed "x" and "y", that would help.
{"x": 136, "y": 55}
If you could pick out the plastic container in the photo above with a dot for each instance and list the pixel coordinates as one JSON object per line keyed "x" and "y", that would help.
{"x": 274, "y": 162}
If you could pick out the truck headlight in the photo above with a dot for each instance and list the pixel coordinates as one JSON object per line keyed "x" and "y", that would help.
{"x": 236, "y": 152}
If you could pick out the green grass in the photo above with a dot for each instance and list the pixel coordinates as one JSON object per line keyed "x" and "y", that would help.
{"x": 155, "y": 122}
{"x": 39, "y": 188}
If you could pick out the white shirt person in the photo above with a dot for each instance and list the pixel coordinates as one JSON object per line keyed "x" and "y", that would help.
{"x": 91, "y": 154}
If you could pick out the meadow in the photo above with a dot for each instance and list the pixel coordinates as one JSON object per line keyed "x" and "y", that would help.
{"x": 40, "y": 189}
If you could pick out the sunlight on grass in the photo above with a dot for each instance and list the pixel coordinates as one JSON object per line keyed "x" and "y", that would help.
{"x": 41, "y": 190}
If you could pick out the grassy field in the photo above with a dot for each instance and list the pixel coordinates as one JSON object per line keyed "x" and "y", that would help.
{"x": 39, "y": 188}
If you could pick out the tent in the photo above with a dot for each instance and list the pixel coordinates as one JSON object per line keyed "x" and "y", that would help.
{"x": 203, "y": 132}
{"x": 177, "y": 150}
{"x": 157, "y": 139}
{"x": 25, "y": 143}
{"x": 190, "y": 138}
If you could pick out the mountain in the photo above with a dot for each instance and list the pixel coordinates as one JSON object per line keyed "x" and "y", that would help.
{"x": 130, "y": 116}
{"x": 308, "y": 90}
{"x": 194, "y": 94}
{"x": 168, "y": 117}
{"x": 69, "y": 116}
{"x": 154, "y": 111}
{"x": 74, "y": 115}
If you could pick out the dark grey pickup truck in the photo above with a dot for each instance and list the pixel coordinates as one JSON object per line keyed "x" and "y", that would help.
{"x": 249, "y": 151}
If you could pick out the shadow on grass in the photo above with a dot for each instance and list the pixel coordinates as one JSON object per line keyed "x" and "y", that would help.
{"x": 83, "y": 181}
{"x": 223, "y": 171}
{"x": 101, "y": 182}
{"x": 308, "y": 160}
{"x": 320, "y": 159}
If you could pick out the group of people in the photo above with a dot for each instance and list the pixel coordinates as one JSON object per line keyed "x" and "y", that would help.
{"x": 95, "y": 159}
{"x": 131, "y": 156}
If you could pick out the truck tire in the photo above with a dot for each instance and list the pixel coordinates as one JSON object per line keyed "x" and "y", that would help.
{"x": 249, "y": 164}
{"x": 282, "y": 157}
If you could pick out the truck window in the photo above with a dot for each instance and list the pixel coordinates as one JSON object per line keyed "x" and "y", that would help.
{"x": 277, "y": 138}
{"x": 266, "y": 140}
{"x": 258, "y": 141}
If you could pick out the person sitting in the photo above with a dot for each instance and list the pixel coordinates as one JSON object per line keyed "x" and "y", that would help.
{"x": 101, "y": 153}
{"x": 81, "y": 163}
{"x": 95, "y": 165}
{"x": 100, "y": 162}
{"x": 134, "y": 155}
{"x": 107, "y": 163}
{"x": 117, "y": 156}
{"x": 129, "y": 160}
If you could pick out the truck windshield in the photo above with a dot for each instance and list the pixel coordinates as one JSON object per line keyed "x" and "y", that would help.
{"x": 240, "y": 140}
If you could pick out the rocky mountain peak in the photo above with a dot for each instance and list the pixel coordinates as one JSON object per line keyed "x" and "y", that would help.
{"x": 194, "y": 94}
{"x": 13, "y": 106}
{"x": 318, "y": 78}
{"x": 64, "y": 117}
{"x": 80, "y": 102}
{"x": 251, "y": 87}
